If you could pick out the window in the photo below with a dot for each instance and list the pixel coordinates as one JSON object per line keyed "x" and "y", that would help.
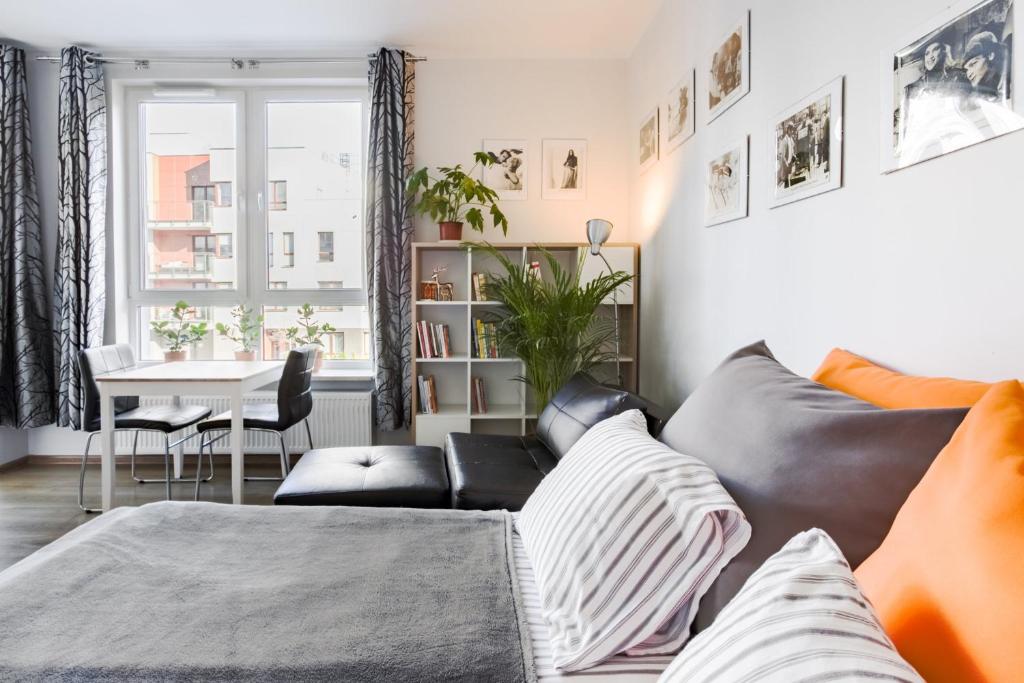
{"x": 278, "y": 195}
{"x": 225, "y": 245}
{"x": 288, "y": 250}
{"x": 223, "y": 194}
{"x": 189, "y": 155}
{"x": 326, "y": 246}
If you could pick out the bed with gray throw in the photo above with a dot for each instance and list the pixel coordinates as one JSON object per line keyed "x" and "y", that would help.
{"x": 188, "y": 592}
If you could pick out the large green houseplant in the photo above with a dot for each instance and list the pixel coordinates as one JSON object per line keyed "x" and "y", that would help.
{"x": 552, "y": 324}
{"x": 457, "y": 197}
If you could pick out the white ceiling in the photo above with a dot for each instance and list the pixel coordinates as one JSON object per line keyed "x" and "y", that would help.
{"x": 479, "y": 29}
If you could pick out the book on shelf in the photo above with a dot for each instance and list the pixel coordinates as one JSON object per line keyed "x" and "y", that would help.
{"x": 434, "y": 339}
{"x": 479, "y": 397}
{"x": 427, "y": 394}
{"x": 480, "y": 286}
{"x": 485, "y": 339}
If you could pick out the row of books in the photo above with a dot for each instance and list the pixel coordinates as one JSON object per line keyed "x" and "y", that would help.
{"x": 479, "y": 397}
{"x": 485, "y": 339}
{"x": 480, "y": 286}
{"x": 427, "y": 394}
{"x": 435, "y": 340}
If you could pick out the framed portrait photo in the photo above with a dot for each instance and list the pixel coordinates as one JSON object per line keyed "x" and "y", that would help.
{"x": 807, "y": 146}
{"x": 564, "y": 169}
{"x": 508, "y": 174}
{"x": 948, "y": 84}
{"x": 725, "y": 184}
{"x": 680, "y": 123}
{"x": 728, "y": 69}
{"x": 647, "y": 144}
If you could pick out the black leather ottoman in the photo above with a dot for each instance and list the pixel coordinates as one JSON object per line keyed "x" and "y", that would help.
{"x": 371, "y": 476}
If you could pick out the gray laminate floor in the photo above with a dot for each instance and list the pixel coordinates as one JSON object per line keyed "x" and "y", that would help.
{"x": 38, "y": 503}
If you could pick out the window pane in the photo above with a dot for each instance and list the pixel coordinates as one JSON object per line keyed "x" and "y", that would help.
{"x": 347, "y": 340}
{"x": 314, "y": 175}
{"x": 211, "y": 347}
{"x": 190, "y": 171}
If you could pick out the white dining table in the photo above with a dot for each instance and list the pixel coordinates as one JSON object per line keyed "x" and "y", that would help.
{"x": 233, "y": 379}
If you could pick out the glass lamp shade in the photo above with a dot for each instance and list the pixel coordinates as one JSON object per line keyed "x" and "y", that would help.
{"x": 598, "y": 232}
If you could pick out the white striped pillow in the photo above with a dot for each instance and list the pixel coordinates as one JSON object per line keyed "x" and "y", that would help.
{"x": 799, "y": 617}
{"x": 624, "y": 537}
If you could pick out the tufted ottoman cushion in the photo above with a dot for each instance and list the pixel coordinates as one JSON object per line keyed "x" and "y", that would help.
{"x": 373, "y": 476}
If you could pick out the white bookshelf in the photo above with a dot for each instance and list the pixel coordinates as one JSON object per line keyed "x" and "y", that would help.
{"x": 511, "y": 408}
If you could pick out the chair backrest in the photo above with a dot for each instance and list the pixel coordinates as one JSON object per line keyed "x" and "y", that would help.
{"x": 97, "y": 361}
{"x": 294, "y": 395}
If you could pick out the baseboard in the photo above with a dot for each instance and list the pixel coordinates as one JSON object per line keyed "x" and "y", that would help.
{"x": 15, "y": 464}
{"x": 144, "y": 459}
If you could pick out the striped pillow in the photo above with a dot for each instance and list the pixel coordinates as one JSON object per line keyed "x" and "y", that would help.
{"x": 799, "y": 617}
{"x": 624, "y": 537}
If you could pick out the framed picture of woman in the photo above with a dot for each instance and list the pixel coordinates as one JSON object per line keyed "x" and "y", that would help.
{"x": 564, "y": 173}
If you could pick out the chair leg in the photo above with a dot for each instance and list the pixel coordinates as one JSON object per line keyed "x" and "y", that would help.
{"x": 309, "y": 433}
{"x": 167, "y": 464}
{"x": 135, "y": 446}
{"x": 285, "y": 457}
{"x": 81, "y": 476}
{"x": 199, "y": 465}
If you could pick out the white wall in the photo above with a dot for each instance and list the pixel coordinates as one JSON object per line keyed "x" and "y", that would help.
{"x": 13, "y": 444}
{"x": 461, "y": 102}
{"x": 919, "y": 269}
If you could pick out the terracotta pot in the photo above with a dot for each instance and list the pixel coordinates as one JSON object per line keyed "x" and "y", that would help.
{"x": 450, "y": 231}
{"x": 174, "y": 356}
{"x": 245, "y": 355}
{"x": 319, "y": 362}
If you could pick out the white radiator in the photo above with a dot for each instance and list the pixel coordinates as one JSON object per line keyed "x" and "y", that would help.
{"x": 339, "y": 418}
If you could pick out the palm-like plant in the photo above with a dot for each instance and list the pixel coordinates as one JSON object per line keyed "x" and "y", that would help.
{"x": 552, "y": 324}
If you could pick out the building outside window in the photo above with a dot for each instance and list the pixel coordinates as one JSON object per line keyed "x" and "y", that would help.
{"x": 202, "y": 203}
{"x": 204, "y": 248}
{"x": 288, "y": 250}
{"x": 326, "y": 253}
{"x": 224, "y": 197}
{"x": 225, "y": 245}
{"x": 270, "y": 250}
{"x": 278, "y": 195}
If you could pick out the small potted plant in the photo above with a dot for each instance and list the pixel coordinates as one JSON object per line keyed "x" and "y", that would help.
{"x": 245, "y": 331}
{"x": 457, "y": 197}
{"x": 308, "y": 331}
{"x": 179, "y": 331}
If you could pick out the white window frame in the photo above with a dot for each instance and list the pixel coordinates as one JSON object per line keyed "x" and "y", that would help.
{"x": 249, "y": 198}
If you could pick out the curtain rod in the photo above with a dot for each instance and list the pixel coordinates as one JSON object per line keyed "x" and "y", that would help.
{"x": 237, "y": 64}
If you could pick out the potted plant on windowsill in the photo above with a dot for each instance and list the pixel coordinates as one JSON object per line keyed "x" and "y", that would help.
{"x": 457, "y": 197}
{"x": 245, "y": 331}
{"x": 308, "y": 331}
{"x": 179, "y": 331}
{"x": 552, "y": 324}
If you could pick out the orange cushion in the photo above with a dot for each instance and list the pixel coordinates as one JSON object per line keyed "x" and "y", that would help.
{"x": 948, "y": 581}
{"x": 849, "y": 373}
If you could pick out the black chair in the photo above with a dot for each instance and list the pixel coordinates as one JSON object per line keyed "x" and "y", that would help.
{"x": 129, "y": 415}
{"x": 294, "y": 404}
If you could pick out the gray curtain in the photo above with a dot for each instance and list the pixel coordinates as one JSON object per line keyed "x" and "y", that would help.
{"x": 26, "y": 342}
{"x": 389, "y": 233}
{"x": 79, "y": 268}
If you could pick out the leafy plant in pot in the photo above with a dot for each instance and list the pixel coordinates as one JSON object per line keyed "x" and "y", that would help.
{"x": 457, "y": 197}
{"x": 179, "y": 331}
{"x": 552, "y": 325}
{"x": 245, "y": 331}
{"x": 308, "y": 331}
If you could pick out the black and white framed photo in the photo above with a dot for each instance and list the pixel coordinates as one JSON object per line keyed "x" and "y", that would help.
{"x": 647, "y": 144}
{"x": 726, "y": 174}
{"x": 728, "y": 70}
{"x": 564, "y": 172}
{"x": 507, "y": 175}
{"x": 807, "y": 146}
{"x": 680, "y": 123}
{"x": 948, "y": 85}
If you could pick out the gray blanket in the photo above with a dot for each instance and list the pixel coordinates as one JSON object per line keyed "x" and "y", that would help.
{"x": 198, "y": 591}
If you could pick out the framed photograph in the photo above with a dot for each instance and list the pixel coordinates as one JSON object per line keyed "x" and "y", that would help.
{"x": 680, "y": 123}
{"x": 648, "y": 142}
{"x": 507, "y": 176}
{"x": 725, "y": 196}
{"x": 948, "y": 85}
{"x": 728, "y": 69}
{"x": 564, "y": 172}
{"x": 807, "y": 146}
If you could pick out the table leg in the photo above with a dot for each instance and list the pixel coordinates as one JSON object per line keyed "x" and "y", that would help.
{"x": 107, "y": 464}
{"x": 237, "y": 444}
{"x": 179, "y": 450}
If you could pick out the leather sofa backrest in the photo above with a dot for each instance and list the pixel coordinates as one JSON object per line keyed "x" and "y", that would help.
{"x": 578, "y": 406}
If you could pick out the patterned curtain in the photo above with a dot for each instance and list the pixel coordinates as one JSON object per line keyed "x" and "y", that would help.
{"x": 389, "y": 233}
{"x": 26, "y": 342}
{"x": 79, "y": 268}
